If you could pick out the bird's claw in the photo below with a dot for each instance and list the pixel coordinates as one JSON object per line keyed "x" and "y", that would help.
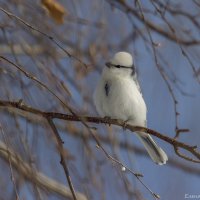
{"x": 107, "y": 119}
{"x": 125, "y": 124}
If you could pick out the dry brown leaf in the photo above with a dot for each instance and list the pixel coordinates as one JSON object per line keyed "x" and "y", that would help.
{"x": 55, "y": 10}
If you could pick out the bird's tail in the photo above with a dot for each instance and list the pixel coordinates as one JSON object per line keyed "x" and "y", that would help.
{"x": 154, "y": 151}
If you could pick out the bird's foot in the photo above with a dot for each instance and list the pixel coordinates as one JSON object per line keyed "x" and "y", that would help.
{"x": 125, "y": 124}
{"x": 107, "y": 119}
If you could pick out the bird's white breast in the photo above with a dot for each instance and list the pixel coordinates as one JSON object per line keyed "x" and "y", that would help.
{"x": 124, "y": 100}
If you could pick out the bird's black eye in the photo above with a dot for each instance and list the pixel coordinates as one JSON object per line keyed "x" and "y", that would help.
{"x": 118, "y": 66}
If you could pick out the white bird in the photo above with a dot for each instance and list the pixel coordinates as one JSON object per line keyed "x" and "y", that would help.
{"x": 118, "y": 96}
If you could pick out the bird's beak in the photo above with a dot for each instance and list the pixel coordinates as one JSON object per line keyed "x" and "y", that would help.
{"x": 108, "y": 64}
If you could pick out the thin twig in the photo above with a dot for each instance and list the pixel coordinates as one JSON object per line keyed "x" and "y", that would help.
{"x": 51, "y": 38}
{"x": 36, "y": 177}
{"x": 174, "y": 142}
{"x": 36, "y": 119}
{"x": 82, "y": 120}
{"x": 131, "y": 147}
{"x": 10, "y": 164}
{"x": 62, "y": 157}
{"x": 128, "y": 9}
{"x": 51, "y": 115}
{"x": 162, "y": 73}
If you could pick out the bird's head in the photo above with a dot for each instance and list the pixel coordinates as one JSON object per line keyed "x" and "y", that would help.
{"x": 121, "y": 63}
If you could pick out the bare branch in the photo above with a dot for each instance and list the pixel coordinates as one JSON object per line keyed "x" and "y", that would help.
{"x": 36, "y": 119}
{"x": 82, "y": 120}
{"x": 36, "y": 177}
{"x": 44, "y": 34}
{"x": 10, "y": 164}
{"x": 48, "y": 115}
{"x": 122, "y": 5}
{"x": 175, "y": 143}
{"x": 62, "y": 157}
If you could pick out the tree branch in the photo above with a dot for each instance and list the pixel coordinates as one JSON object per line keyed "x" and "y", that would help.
{"x": 123, "y": 6}
{"x": 81, "y": 119}
{"x": 174, "y": 142}
{"x": 128, "y": 146}
{"x": 36, "y": 177}
{"x": 62, "y": 157}
{"x": 11, "y": 15}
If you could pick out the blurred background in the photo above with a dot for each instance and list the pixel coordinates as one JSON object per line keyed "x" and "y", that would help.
{"x": 65, "y": 44}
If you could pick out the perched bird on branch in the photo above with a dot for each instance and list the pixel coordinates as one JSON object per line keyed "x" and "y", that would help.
{"x": 118, "y": 95}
